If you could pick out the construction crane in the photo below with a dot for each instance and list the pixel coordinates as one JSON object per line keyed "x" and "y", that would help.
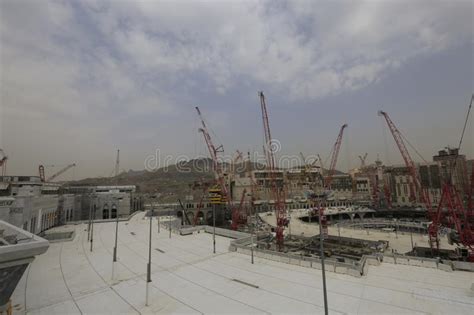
{"x": 218, "y": 170}
{"x": 307, "y": 166}
{"x": 55, "y": 175}
{"x": 416, "y": 191}
{"x": 185, "y": 214}
{"x": 362, "y": 160}
{"x": 117, "y": 165}
{"x": 3, "y": 162}
{"x": 277, "y": 192}
{"x": 335, "y": 154}
{"x": 456, "y": 217}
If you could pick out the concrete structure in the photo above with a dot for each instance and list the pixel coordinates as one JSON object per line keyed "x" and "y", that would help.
{"x": 106, "y": 202}
{"x": 188, "y": 278}
{"x": 18, "y": 248}
{"x": 33, "y": 205}
{"x": 452, "y": 167}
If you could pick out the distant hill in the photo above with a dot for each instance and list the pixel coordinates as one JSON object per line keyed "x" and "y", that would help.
{"x": 172, "y": 182}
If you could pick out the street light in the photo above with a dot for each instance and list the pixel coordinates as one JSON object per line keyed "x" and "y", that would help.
{"x": 321, "y": 247}
{"x": 114, "y": 259}
{"x": 92, "y": 221}
{"x": 90, "y": 218}
{"x": 148, "y": 269}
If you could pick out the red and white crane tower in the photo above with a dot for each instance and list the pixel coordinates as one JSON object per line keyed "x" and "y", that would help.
{"x": 450, "y": 211}
{"x": 335, "y": 154}
{"x": 277, "y": 191}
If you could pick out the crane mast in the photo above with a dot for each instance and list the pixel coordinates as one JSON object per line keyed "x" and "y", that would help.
{"x": 280, "y": 212}
{"x": 335, "y": 154}
{"x": 218, "y": 171}
{"x": 415, "y": 186}
{"x": 3, "y": 162}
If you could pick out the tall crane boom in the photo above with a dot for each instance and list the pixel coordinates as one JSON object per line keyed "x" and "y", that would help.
{"x": 415, "y": 187}
{"x": 60, "y": 172}
{"x": 3, "y": 162}
{"x": 335, "y": 154}
{"x": 218, "y": 171}
{"x": 277, "y": 192}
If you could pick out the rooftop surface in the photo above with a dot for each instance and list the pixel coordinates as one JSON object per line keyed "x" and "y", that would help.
{"x": 188, "y": 278}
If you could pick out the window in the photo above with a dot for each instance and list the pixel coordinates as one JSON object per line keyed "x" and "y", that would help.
{"x": 114, "y": 212}
{"x": 105, "y": 213}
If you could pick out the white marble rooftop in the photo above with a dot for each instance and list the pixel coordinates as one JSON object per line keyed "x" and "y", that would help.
{"x": 188, "y": 278}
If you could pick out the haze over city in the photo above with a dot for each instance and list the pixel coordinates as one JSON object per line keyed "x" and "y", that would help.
{"x": 80, "y": 79}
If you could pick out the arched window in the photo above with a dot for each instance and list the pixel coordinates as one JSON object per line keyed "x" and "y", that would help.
{"x": 114, "y": 212}
{"x": 105, "y": 212}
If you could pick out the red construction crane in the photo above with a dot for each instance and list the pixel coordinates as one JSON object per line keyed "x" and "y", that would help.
{"x": 335, "y": 154}
{"x": 416, "y": 191}
{"x": 218, "y": 170}
{"x": 451, "y": 211}
{"x": 277, "y": 192}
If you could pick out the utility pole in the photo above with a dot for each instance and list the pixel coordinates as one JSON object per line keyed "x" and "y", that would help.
{"x": 214, "y": 227}
{"x": 169, "y": 212}
{"x": 114, "y": 259}
{"x": 90, "y": 218}
{"x": 148, "y": 269}
{"x": 321, "y": 247}
{"x": 92, "y": 223}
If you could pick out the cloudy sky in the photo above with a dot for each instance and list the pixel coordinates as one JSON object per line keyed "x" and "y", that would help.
{"x": 80, "y": 79}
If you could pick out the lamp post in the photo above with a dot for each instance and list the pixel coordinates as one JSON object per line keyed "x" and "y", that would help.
{"x": 214, "y": 228}
{"x": 92, "y": 221}
{"x": 90, "y": 218}
{"x": 114, "y": 259}
{"x": 169, "y": 212}
{"x": 148, "y": 269}
{"x": 323, "y": 271}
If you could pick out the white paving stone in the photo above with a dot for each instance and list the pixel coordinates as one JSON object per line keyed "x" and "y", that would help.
{"x": 188, "y": 278}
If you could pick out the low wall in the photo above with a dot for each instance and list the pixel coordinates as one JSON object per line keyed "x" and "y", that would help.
{"x": 463, "y": 265}
{"x": 226, "y": 232}
{"x": 241, "y": 246}
{"x": 448, "y": 266}
{"x": 357, "y": 269}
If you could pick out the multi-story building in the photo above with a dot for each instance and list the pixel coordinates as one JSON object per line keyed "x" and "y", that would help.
{"x": 29, "y": 203}
{"x": 105, "y": 202}
{"x": 452, "y": 168}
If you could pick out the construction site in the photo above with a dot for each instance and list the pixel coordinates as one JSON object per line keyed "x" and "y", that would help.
{"x": 149, "y": 172}
{"x": 376, "y": 220}
{"x": 434, "y": 200}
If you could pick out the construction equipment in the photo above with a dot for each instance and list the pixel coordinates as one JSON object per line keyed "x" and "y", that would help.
{"x": 3, "y": 162}
{"x": 362, "y": 160}
{"x": 335, "y": 154}
{"x": 307, "y": 166}
{"x": 417, "y": 194}
{"x": 185, "y": 214}
{"x": 218, "y": 170}
{"x": 277, "y": 192}
{"x": 452, "y": 213}
{"x": 55, "y": 175}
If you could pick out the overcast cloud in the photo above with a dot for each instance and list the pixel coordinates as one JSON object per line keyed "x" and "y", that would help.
{"x": 80, "y": 79}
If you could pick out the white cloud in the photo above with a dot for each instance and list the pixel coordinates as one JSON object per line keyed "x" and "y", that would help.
{"x": 106, "y": 60}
